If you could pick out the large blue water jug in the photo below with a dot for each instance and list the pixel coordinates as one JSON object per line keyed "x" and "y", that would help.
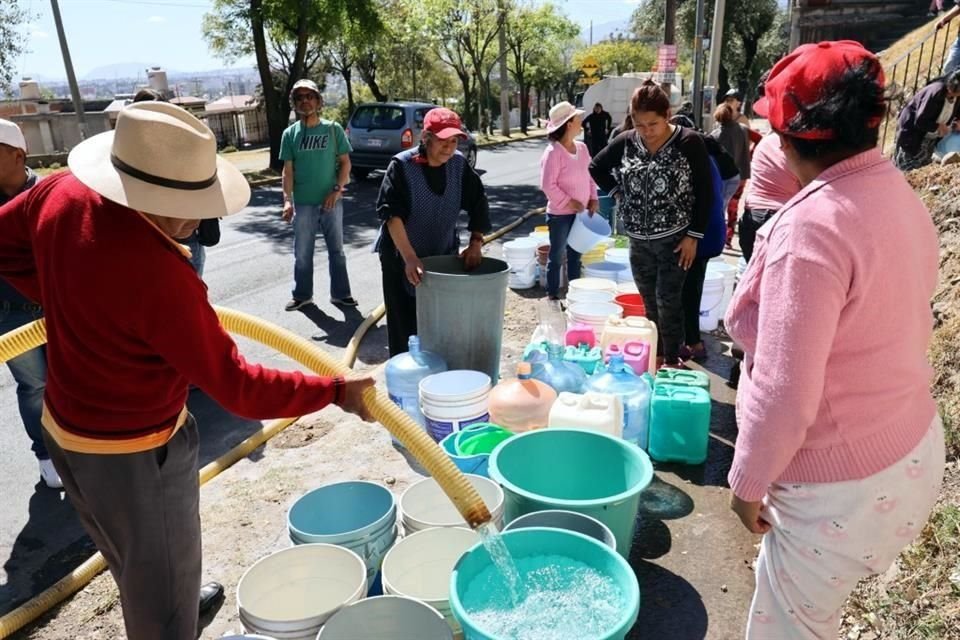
{"x": 633, "y": 390}
{"x": 404, "y": 373}
{"x": 559, "y": 374}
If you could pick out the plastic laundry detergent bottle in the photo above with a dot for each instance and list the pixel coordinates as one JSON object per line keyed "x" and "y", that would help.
{"x": 633, "y": 390}
{"x": 404, "y": 372}
{"x": 521, "y": 404}
{"x": 559, "y": 374}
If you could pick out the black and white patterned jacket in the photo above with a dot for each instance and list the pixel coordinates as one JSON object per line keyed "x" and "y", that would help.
{"x": 662, "y": 193}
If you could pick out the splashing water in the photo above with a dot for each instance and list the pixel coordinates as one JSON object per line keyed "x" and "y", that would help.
{"x": 565, "y": 600}
{"x": 503, "y": 562}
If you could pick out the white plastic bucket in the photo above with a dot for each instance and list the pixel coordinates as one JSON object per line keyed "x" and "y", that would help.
{"x": 290, "y": 594}
{"x": 627, "y": 286}
{"x": 711, "y": 300}
{"x": 587, "y": 231}
{"x": 424, "y": 504}
{"x": 620, "y": 255}
{"x": 591, "y": 284}
{"x": 605, "y": 270}
{"x": 729, "y": 273}
{"x": 586, "y": 295}
{"x": 419, "y": 566}
{"x": 625, "y": 275}
{"x": 594, "y": 314}
{"x": 521, "y": 256}
{"x": 386, "y": 618}
{"x": 741, "y": 267}
{"x": 452, "y": 400}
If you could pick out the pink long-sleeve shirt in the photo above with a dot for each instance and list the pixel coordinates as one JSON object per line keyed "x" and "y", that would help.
{"x": 834, "y": 318}
{"x": 565, "y": 177}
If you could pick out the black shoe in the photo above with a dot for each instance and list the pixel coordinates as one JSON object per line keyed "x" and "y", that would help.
{"x": 295, "y": 304}
{"x": 210, "y": 594}
{"x": 344, "y": 302}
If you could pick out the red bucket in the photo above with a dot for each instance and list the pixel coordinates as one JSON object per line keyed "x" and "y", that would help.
{"x": 632, "y": 304}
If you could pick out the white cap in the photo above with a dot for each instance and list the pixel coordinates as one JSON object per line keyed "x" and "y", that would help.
{"x": 11, "y": 135}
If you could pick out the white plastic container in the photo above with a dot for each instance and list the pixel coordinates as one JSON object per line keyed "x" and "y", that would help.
{"x": 711, "y": 301}
{"x": 729, "y": 273}
{"x": 592, "y": 284}
{"x": 605, "y": 270}
{"x": 424, "y": 504}
{"x": 619, "y": 331}
{"x": 585, "y": 295}
{"x": 452, "y": 400}
{"x": 627, "y": 286}
{"x": 586, "y": 231}
{"x": 388, "y": 617}
{"x": 290, "y": 594}
{"x": 419, "y": 566}
{"x": 619, "y": 255}
{"x": 595, "y": 314}
{"x": 741, "y": 267}
{"x": 601, "y": 412}
{"x": 521, "y": 255}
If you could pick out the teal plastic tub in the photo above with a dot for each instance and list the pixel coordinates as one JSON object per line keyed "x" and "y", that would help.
{"x": 576, "y": 470}
{"x": 534, "y": 542}
{"x": 473, "y": 457}
{"x": 679, "y": 424}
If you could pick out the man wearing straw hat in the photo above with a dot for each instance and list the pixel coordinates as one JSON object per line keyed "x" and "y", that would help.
{"x": 129, "y": 327}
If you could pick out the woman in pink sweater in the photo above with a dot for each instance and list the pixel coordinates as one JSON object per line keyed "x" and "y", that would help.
{"x": 565, "y": 180}
{"x": 840, "y": 453}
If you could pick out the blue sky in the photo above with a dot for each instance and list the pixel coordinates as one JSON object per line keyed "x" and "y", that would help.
{"x": 167, "y": 32}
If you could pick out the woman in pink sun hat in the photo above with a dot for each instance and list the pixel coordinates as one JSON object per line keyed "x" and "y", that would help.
{"x": 565, "y": 180}
{"x": 840, "y": 453}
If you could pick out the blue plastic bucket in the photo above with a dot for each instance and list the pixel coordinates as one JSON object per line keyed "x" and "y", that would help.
{"x": 360, "y": 516}
{"x": 573, "y": 470}
{"x": 587, "y": 231}
{"x": 533, "y": 542}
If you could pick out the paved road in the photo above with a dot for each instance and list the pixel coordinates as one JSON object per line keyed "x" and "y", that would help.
{"x": 250, "y": 270}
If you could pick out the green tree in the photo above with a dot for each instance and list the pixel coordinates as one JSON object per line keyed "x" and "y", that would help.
{"x": 13, "y": 41}
{"x": 533, "y": 35}
{"x": 286, "y": 38}
{"x": 617, "y": 57}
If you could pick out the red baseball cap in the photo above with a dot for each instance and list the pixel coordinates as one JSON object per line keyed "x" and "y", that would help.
{"x": 803, "y": 76}
{"x": 443, "y": 123}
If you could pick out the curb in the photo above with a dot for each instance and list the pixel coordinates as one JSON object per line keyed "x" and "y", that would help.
{"x": 266, "y": 182}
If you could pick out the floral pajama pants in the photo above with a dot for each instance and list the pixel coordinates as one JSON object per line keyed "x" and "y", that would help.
{"x": 826, "y": 537}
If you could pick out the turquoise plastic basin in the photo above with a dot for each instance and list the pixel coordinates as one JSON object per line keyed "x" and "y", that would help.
{"x": 539, "y": 542}
{"x": 576, "y": 470}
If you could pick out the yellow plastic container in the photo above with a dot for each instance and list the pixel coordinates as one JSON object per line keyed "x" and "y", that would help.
{"x": 619, "y": 331}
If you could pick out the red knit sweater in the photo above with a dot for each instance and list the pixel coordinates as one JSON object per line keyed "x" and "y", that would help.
{"x": 128, "y": 321}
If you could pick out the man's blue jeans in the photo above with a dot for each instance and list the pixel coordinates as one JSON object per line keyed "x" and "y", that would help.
{"x": 30, "y": 373}
{"x": 560, "y": 226}
{"x": 307, "y": 221}
{"x": 953, "y": 58}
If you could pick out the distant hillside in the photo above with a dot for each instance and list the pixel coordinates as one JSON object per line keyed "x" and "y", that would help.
{"x": 604, "y": 30}
{"x": 121, "y": 70}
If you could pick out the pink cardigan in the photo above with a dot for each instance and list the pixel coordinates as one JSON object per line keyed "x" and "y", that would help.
{"x": 834, "y": 318}
{"x": 564, "y": 177}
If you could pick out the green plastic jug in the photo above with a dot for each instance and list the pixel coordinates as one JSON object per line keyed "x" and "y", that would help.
{"x": 681, "y": 377}
{"x": 679, "y": 424}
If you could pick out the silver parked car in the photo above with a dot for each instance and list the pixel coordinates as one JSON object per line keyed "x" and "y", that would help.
{"x": 380, "y": 130}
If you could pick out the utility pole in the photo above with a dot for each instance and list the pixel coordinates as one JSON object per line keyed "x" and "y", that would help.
{"x": 591, "y": 33}
{"x": 71, "y": 77}
{"x": 504, "y": 89}
{"x": 698, "y": 66}
{"x": 716, "y": 47}
{"x": 669, "y": 32}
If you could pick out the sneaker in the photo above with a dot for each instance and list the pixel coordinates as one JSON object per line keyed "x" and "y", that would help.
{"x": 295, "y": 304}
{"x": 49, "y": 475}
{"x": 951, "y": 157}
{"x": 344, "y": 302}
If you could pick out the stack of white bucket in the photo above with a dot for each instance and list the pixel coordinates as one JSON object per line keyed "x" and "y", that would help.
{"x": 521, "y": 255}
{"x": 717, "y": 293}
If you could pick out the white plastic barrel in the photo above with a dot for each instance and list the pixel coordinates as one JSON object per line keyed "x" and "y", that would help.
{"x": 290, "y": 594}
{"x": 386, "y": 618}
{"x": 419, "y": 566}
{"x": 711, "y": 300}
{"x": 424, "y": 504}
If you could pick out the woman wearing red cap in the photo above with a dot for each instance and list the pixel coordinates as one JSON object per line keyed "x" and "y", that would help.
{"x": 421, "y": 196}
{"x": 840, "y": 453}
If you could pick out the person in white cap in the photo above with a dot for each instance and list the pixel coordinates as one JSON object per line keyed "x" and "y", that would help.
{"x": 29, "y": 369}
{"x": 316, "y": 168}
{"x": 129, "y": 328}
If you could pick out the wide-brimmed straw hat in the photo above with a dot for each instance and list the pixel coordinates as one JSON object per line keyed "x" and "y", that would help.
{"x": 560, "y": 113}
{"x": 161, "y": 160}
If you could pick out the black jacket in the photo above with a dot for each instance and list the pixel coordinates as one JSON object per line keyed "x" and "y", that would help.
{"x": 919, "y": 116}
